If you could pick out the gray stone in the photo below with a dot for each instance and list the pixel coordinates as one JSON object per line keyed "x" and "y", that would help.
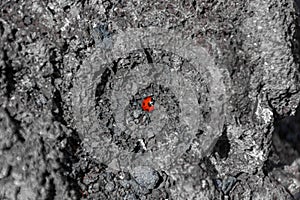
{"x": 145, "y": 176}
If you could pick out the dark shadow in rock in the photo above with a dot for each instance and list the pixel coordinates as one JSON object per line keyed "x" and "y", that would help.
{"x": 272, "y": 162}
{"x": 222, "y": 146}
{"x": 9, "y": 72}
{"x": 208, "y": 167}
{"x": 73, "y": 141}
{"x": 286, "y": 138}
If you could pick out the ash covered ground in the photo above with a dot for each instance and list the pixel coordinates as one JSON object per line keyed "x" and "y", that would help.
{"x": 224, "y": 76}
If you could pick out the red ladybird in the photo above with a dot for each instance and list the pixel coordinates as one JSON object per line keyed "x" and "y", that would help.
{"x": 148, "y": 104}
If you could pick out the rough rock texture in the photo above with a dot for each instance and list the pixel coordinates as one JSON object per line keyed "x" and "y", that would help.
{"x": 224, "y": 76}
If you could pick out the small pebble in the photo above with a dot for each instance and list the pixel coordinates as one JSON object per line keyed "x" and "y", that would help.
{"x": 145, "y": 176}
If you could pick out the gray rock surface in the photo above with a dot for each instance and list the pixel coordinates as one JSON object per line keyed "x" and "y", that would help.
{"x": 145, "y": 177}
{"x": 224, "y": 76}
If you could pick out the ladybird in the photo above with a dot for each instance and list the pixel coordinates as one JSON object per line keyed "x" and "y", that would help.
{"x": 148, "y": 104}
